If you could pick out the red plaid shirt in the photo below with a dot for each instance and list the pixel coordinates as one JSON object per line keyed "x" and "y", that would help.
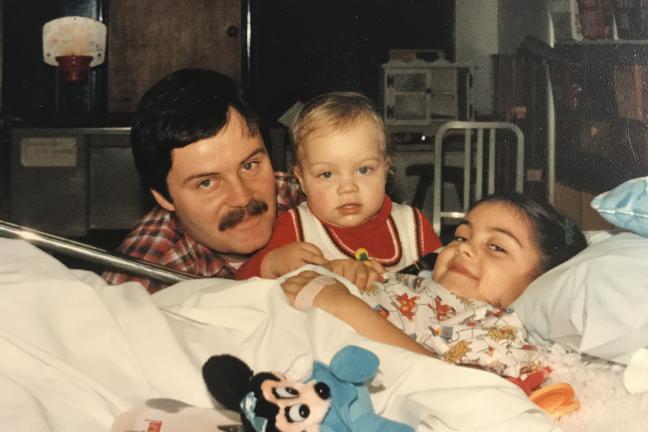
{"x": 160, "y": 238}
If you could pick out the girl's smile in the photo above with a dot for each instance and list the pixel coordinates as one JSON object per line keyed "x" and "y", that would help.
{"x": 460, "y": 269}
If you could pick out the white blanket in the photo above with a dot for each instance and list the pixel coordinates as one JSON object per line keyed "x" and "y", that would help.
{"x": 76, "y": 352}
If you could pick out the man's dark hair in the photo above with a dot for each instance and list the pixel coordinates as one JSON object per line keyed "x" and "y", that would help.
{"x": 556, "y": 235}
{"x": 184, "y": 107}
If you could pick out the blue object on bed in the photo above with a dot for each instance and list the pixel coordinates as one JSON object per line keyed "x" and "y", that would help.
{"x": 626, "y": 206}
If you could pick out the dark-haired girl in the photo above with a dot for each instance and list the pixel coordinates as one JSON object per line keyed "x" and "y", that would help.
{"x": 502, "y": 245}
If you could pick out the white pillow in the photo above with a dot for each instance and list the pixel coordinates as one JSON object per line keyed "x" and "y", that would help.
{"x": 595, "y": 236}
{"x": 597, "y": 302}
{"x": 626, "y": 206}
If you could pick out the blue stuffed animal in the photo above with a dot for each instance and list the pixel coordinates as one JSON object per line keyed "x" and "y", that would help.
{"x": 334, "y": 399}
{"x": 351, "y": 409}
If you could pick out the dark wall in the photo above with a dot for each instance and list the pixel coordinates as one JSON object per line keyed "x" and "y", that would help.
{"x": 302, "y": 48}
{"x": 298, "y": 49}
{"x": 32, "y": 94}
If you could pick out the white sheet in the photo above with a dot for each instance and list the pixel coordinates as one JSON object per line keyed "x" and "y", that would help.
{"x": 76, "y": 352}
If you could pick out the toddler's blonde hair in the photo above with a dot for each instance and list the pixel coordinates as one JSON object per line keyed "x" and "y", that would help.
{"x": 335, "y": 111}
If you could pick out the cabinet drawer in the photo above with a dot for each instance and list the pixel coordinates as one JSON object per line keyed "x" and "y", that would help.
{"x": 49, "y": 183}
{"x": 443, "y": 105}
{"x": 443, "y": 80}
{"x": 116, "y": 198}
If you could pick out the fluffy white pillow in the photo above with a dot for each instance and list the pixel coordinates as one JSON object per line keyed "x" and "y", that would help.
{"x": 626, "y": 206}
{"x": 597, "y": 302}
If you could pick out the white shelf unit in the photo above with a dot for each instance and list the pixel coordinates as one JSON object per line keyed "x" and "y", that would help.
{"x": 419, "y": 96}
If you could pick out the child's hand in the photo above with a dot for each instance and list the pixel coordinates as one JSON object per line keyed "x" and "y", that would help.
{"x": 290, "y": 257}
{"x": 361, "y": 273}
{"x": 325, "y": 293}
{"x": 310, "y": 288}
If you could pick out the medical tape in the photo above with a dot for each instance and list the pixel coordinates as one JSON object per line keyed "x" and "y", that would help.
{"x": 305, "y": 297}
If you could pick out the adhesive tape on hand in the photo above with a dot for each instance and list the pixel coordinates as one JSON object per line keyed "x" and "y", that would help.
{"x": 305, "y": 297}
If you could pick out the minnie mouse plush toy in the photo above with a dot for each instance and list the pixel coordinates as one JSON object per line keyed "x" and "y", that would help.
{"x": 267, "y": 401}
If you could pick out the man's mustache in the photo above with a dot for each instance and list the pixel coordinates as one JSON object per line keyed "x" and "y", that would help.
{"x": 233, "y": 218}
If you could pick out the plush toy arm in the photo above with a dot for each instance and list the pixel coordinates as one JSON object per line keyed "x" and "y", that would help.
{"x": 354, "y": 364}
{"x": 351, "y": 408}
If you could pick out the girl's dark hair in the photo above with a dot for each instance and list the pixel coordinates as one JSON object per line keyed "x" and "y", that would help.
{"x": 558, "y": 237}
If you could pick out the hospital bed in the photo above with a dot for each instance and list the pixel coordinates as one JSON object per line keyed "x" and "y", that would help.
{"x": 77, "y": 352}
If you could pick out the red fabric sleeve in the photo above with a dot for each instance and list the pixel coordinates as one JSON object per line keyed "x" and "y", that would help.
{"x": 284, "y": 232}
{"x": 431, "y": 241}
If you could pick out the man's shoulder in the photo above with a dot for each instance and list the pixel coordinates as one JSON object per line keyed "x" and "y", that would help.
{"x": 154, "y": 234}
{"x": 158, "y": 215}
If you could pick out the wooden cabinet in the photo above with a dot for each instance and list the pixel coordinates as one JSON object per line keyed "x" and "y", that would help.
{"x": 576, "y": 205}
{"x": 151, "y": 38}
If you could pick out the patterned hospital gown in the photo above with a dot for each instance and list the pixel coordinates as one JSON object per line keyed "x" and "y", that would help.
{"x": 457, "y": 329}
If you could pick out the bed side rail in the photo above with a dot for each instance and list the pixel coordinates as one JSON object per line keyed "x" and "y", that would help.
{"x": 94, "y": 255}
{"x": 469, "y": 129}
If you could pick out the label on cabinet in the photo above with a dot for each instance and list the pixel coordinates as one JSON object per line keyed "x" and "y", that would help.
{"x": 48, "y": 152}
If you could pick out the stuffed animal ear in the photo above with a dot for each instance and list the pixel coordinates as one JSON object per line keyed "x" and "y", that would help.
{"x": 354, "y": 364}
{"x": 227, "y": 379}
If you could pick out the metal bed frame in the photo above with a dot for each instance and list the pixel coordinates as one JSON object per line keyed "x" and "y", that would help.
{"x": 468, "y": 127}
{"x": 95, "y": 255}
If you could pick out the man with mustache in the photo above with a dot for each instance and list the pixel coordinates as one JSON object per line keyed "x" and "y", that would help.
{"x": 199, "y": 150}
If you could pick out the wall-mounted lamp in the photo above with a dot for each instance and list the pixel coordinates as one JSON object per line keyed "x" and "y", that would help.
{"x": 74, "y": 45}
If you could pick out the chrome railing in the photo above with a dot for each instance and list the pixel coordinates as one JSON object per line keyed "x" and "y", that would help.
{"x": 94, "y": 255}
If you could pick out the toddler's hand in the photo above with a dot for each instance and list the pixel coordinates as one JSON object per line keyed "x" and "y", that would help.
{"x": 290, "y": 257}
{"x": 361, "y": 273}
